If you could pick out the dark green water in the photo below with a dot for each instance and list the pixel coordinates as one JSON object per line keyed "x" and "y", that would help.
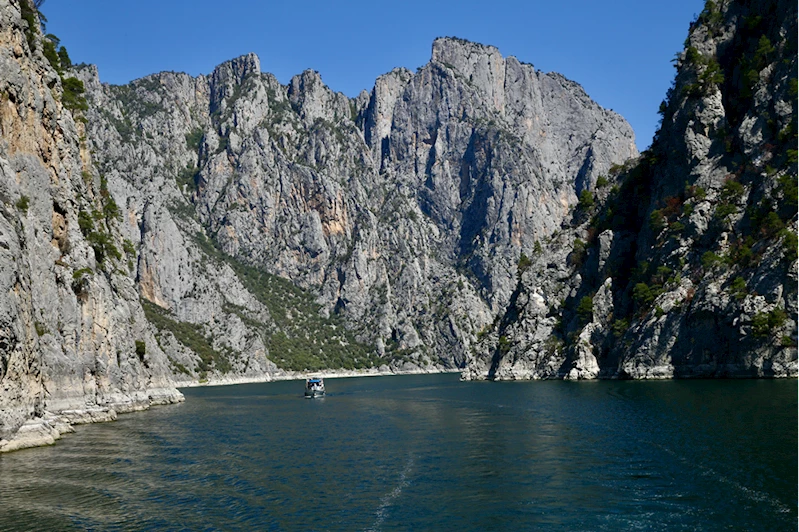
{"x": 425, "y": 453}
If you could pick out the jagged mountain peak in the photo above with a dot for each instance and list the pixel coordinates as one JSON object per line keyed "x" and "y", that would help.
{"x": 426, "y": 189}
{"x": 444, "y": 47}
{"x": 239, "y": 67}
{"x": 229, "y": 226}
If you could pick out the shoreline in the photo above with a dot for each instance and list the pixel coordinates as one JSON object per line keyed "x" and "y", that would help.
{"x": 325, "y": 374}
{"x": 52, "y": 425}
{"x": 45, "y": 430}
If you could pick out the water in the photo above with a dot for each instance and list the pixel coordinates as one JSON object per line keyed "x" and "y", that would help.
{"x": 425, "y": 453}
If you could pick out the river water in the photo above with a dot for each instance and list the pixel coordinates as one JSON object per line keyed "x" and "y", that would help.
{"x": 425, "y": 453}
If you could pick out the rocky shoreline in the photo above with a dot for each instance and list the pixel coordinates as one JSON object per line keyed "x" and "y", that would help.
{"x": 383, "y": 371}
{"x": 478, "y": 214}
{"x": 48, "y": 427}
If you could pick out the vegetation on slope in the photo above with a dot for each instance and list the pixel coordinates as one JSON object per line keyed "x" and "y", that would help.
{"x": 301, "y": 338}
{"x": 752, "y": 211}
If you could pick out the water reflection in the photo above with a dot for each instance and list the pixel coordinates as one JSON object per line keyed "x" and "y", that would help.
{"x": 425, "y": 452}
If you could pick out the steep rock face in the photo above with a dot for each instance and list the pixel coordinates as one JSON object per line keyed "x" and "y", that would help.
{"x": 403, "y": 211}
{"x": 214, "y": 314}
{"x": 227, "y": 226}
{"x": 73, "y": 337}
{"x": 687, "y": 265}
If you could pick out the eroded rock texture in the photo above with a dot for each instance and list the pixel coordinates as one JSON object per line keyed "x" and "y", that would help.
{"x": 73, "y": 336}
{"x": 683, "y": 263}
{"x": 477, "y": 214}
{"x": 402, "y": 212}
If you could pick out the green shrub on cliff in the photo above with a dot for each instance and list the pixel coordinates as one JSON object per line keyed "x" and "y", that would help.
{"x": 708, "y": 72}
{"x": 738, "y": 288}
{"x": 103, "y": 246}
{"x": 723, "y": 210}
{"x": 101, "y": 242}
{"x": 63, "y": 58}
{"x": 644, "y": 295}
{"x": 579, "y": 252}
{"x": 586, "y": 200}
{"x": 763, "y": 52}
{"x": 710, "y": 260}
{"x": 620, "y": 327}
{"x": 73, "y": 98}
{"x": 766, "y": 323}
{"x": 711, "y": 15}
{"x": 193, "y": 139}
{"x": 790, "y": 245}
{"x": 22, "y": 204}
{"x": 50, "y": 52}
{"x": 524, "y": 263}
{"x": 585, "y": 309}
{"x": 790, "y": 194}
{"x": 657, "y": 221}
{"x": 731, "y": 191}
{"x": 30, "y": 13}
{"x": 141, "y": 349}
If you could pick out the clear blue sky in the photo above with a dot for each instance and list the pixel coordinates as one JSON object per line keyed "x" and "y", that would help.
{"x": 619, "y": 50}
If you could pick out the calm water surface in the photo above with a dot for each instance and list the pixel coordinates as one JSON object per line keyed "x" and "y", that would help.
{"x": 425, "y": 453}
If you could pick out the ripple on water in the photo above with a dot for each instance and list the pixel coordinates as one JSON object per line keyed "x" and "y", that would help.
{"x": 424, "y": 453}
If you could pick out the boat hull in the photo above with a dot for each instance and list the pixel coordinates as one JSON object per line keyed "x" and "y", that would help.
{"x": 310, "y": 394}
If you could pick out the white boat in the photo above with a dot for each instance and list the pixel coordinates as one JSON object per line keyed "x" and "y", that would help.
{"x": 314, "y": 387}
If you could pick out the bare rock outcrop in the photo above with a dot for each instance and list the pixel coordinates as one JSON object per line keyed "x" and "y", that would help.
{"x": 683, "y": 262}
{"x": 402, "y": 212}
{"x": 73, "y": 336}
{"x": 476, "y": 215}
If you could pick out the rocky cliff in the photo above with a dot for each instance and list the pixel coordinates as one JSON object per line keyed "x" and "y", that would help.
{"x": 477, "y": 214}
{"x": 398, "y": 217}
{"x": 683, "y": 262}
{"x": 75, "y": 345}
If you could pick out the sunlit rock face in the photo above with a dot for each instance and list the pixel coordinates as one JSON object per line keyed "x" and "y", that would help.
{"x": 73, "y": 336}
{"x": 403, "y": 211}
{"x": 477, "y": 215}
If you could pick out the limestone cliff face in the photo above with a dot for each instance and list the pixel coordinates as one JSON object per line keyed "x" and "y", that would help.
{"x": 682, "y": 263}
{"x": 402, "y": 212}
{"x": 226, "y": 226}
{"x": 74, "y": 340}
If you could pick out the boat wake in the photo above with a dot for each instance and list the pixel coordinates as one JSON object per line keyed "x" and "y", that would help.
{"x": 751, "y": 494}
{"x": 388, "y": 499}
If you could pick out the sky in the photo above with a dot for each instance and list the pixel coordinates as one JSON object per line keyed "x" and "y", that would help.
{"x": 620, "y": 51}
